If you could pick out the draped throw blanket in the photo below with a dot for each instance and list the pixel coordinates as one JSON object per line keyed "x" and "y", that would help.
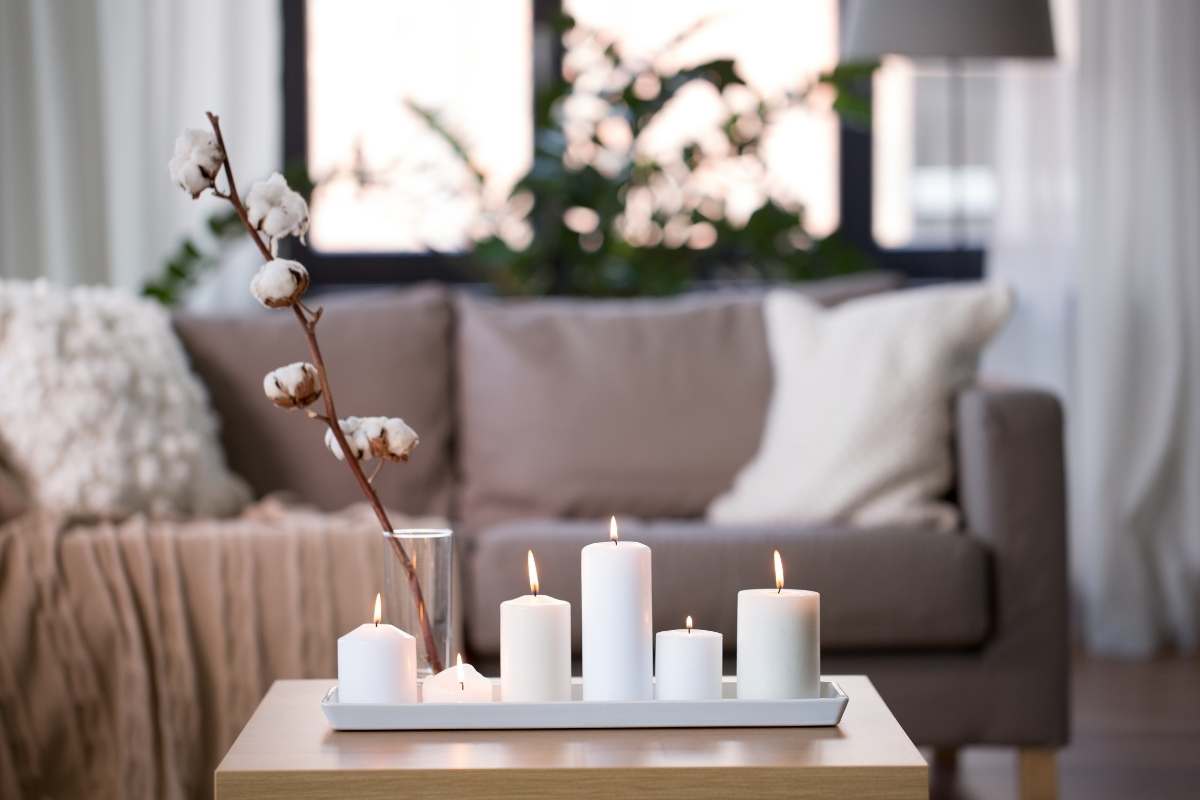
{"x": 132, "y": 654}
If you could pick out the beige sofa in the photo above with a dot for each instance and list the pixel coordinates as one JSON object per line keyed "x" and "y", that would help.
{"x": 538, "y": 419}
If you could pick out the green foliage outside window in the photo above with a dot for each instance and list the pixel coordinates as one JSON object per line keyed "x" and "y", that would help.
{"x": 566, "y": 258}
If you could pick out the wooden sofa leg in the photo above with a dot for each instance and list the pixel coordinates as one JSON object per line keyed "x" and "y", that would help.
{"x": 943, "y": 773}
{"x": 1038, "y": 773}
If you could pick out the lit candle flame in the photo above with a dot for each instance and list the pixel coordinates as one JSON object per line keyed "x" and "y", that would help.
{"x": 612, "y": 530}
{"x": 533, "y": 576}
{"x": 689, "y": 624}
{"x": 778, "y": 572}
{"x": 461, "y": 677}
{"x": 378, "y": 608}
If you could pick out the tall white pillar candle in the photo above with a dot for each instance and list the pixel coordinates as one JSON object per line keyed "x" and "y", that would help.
{"x": 617, "y": 625}
{"x": 687, "y": 664}
{"x": 778, "y": 641}
{"x": 535, "y": 646}
{"x": 377, "y": 664}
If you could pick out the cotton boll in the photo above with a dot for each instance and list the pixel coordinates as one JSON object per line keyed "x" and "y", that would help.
{"x": 294, "y": 386}
{"x": 279, "y": 283}
{"x": 275, "y": 209}
{"x": 358, "y": 445}
{"x": 400, "y": 439}
{"x": 196, "y": 161}
{"x": 375, "y": 437}
{"x": 370, "y": 427}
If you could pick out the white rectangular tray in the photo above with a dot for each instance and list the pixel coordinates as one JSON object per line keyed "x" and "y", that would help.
{"x": 728, "y": 712}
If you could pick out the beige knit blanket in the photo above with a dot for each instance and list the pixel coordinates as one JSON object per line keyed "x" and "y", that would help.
{"x": 132, "y": 654}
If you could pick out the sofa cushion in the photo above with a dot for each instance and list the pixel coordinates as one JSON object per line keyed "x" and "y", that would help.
{"x": 388, "y": 352}
{"x": 860, "y": 420}
{"x": 880, "y": 588}
{"x": 573, "y": 408}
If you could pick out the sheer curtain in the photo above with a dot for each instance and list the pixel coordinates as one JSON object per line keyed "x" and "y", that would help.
{"x": 94, "y": 93}
{"x": 1099, "y": 230}
{"x": 1136, "y": 430}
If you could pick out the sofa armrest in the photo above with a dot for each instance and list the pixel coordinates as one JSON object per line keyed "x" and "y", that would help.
{"x": 1012, "y": 489}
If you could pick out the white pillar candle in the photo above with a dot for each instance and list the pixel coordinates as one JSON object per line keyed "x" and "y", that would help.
{"x": 377, "y": 664}
{"x": 535, "y": 646}
{"x": 461, "y": 683}
{"x": 778, "y": 641}
{"x": 687, "y": 664}
{"x": 618, "y": 641}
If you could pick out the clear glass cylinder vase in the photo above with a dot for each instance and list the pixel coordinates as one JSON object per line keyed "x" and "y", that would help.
{"x": 418, "y": 565}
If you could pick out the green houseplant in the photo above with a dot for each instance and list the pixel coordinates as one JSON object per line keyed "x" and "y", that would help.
{"x": 609, "y": 217}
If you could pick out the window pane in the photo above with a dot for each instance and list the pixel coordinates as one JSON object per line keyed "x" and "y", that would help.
{"x": 934, "y": 155}
{"x": 778, "y": 48}
{"x": 387, "y": 182}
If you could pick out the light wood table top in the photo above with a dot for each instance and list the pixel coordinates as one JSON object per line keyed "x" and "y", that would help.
{"x": 287, "y": 749}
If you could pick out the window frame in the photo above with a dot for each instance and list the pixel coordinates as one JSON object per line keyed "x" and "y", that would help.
{"x": 919, "y": 265}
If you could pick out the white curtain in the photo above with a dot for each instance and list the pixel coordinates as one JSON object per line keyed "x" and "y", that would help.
{"x": 93, "y": 94}
{"x": 1136, "y": 427}
{"x": 1099, "y": 229}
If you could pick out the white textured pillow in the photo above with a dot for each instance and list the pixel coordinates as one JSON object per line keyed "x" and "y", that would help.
{"x": 859, "y": 424}
{"x": 99, "y": 410}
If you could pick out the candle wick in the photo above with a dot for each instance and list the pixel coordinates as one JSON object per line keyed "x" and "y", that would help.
{"x": 779, "y": 590}
{"x": 461, "y": 687}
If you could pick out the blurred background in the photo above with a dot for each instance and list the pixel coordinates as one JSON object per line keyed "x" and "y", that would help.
{"x": 730, "y": 136}
{"x": 625, "y": 148}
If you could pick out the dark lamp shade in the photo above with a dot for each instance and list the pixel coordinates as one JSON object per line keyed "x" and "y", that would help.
{"x": 947, "y": 29}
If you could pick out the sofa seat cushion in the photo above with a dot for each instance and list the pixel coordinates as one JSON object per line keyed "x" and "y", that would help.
{"x": 881, "y": 588}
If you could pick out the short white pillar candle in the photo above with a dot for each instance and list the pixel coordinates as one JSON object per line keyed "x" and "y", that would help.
{"x": 687, "y": 664}
{"x": 618, "y": 637}
{"x": 778, "y": 641}
{"x": 535, "y": 646}
{"x": 461, "y": 683}
{"x": 377, "y": 664}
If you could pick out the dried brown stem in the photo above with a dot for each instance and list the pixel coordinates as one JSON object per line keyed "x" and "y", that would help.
{"x": 330, "y": 418}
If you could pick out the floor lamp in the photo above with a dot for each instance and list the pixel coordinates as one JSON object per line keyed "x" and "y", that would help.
{"x": 953, "y": 30}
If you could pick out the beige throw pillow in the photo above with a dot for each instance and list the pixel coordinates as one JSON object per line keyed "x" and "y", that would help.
{"x": 859, "y": 422}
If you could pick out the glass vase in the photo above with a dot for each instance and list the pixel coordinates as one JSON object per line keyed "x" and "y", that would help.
{"x": 418, "y": 564}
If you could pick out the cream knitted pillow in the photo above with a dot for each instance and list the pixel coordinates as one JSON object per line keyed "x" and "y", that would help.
{"x": 860, "y": 419}
{"x": 99, "y": 410}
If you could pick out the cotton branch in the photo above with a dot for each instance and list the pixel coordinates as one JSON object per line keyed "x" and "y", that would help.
{"x": 308, "y": 323}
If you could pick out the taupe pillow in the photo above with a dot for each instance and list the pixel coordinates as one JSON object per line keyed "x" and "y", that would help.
{"x": 388, "y": 353}
{"x": 589, "y": 408}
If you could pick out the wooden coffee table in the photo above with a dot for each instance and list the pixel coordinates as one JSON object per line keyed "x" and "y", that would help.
{"x": 287, "y": 749}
